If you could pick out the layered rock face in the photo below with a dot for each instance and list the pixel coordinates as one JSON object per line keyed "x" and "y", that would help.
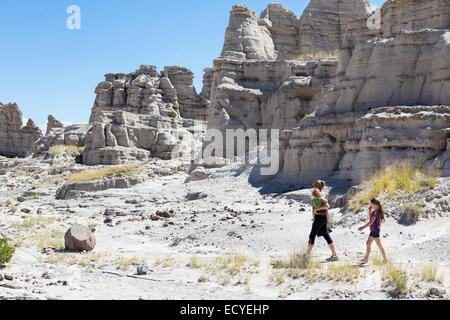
{"x": 137, "y": 116}
{"x": 263, "y": 80}
{"x": 52, "y": 123}
{"x": 284, "y": 30}
{"x": 324, "y": 23}
{"x": 191, "y": 105}
{"x": 279, "y": 34}
{"x": 266, "y": 94}
{"x": 390, "y": 100}
{"x": 16, "y": 140}
{"x": 260, "y": 80}
{"x": 58, "y": 135}
{"x": 247, "y": 37}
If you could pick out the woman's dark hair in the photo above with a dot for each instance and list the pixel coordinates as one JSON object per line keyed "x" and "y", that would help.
{"x": 378, "y": 203}
{"x": 319, "y": 184}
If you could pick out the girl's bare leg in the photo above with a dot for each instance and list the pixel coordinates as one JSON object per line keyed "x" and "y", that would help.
{"x": 369, "y": 247}
{"x": 333, "y": 249}
{"x": 308, "y": 251}
{"x": 380, "y": 246}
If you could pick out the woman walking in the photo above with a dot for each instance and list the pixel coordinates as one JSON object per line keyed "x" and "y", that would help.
{"x": 321, "y": 220}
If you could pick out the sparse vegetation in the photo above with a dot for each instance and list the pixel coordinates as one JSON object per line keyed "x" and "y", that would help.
{"x": 11, "y": 206}
{"x": 428, "y": 272}
{"x": 61, "y": 149}
{"x": 194, "y": 262}
{"x": 410, "y": 213}
{"x": 235, "y": 267}
{"x": 399, "y": 176}
{"x": 276, "y": 277}
{"x": 172, "y": 114}
{"x": 94, "y": 260}
{"x": 124, "y": 263}
{"x": 6, "y": 251}
{"x": 399, "y": 280}
{"x": 34, "y": 222}
{"x": 295, "y": 261}
{"x": 165, "y": 263}
{"x": 50, "y": 238}
{"x": 102, "y": 173}
{"x": 345, "y": 273}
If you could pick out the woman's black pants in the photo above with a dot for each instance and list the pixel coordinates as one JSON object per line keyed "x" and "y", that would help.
{"x": 319, "y": 227}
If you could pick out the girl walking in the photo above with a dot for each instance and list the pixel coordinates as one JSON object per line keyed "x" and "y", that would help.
{"x": 321, "y": 220}
{"x": 376, "y": 214}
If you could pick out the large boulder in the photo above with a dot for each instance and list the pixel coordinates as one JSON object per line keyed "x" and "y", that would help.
{"x": 79, "y": 238}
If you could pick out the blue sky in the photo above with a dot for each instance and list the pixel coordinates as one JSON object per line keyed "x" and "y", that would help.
{"x": 49, "y": 69}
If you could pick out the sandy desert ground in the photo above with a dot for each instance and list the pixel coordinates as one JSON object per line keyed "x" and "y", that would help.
{"x": 221, "y": 246}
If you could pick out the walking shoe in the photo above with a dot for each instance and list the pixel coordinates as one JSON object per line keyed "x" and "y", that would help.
{"x": 332, "y": 259}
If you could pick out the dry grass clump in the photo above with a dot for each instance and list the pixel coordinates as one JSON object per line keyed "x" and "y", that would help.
{"x": 57, "y": 180}
{"x": 102, "y": 173}
{"x": 429, "y": 273}
{"x": 235, "y": 264}
{"x": 411, "y": 212}
{"x": 84, "y": 259}
{"x": 396, "y": 278}
{"x": 317, "y": 55}
{"x": 295, "y": 261}
{"x": 399, "y": 176}
{"x": 34, "y": 222}
{"x": 276, "y": 278}
{"x": 50, "y": 238}
{"x": 165, "y": 263}
{"x": 36, "y": 238}
{"x": 298, "y": 266}
{"x": 228, "y": 268}
{"x": 93, "y": 260}
{"x": 343, "y": 273}
{"x": 124, "y": 263}
{"x": 399, "y": 280}
{"x": 62, "y": 149}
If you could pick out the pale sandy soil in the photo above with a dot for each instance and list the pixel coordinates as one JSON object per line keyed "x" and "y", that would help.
{"x": 263, "y": 228}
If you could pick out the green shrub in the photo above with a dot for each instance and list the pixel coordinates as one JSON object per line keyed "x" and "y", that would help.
{"x": 399, "y": 280}
{"x": 6, "y": 251}
{"x": 172, "y": 114}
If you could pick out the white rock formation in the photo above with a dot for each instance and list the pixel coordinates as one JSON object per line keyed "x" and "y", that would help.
{"x": 390, "y": 100}
{"x": 324, "y": 22}
{"x": 58, "y": 135}
{"x": 137, "y": 116}
{"x": 16, "y": 140}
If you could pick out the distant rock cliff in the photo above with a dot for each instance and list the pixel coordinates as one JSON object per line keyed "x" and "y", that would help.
{"x": 390, "y": 99}
{"x": 139, "y": 115}
{"x": 16, "y": 140}
{"x": 262, "y": 79}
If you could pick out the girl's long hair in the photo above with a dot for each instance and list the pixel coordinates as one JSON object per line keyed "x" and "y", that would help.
{"x": 378, "y": 204}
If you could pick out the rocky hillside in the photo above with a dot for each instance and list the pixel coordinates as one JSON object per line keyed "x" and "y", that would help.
{"x": 266, "y": 76}
{"x": 145, "y": 114}
{"x": 347, "y": 98}
{"x": 16, "y": 140}
{"x": 389, "y": 101}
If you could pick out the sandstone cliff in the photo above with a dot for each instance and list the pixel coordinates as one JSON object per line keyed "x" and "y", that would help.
{"x": 16, "y": 140}
{"x": 138, "y": 115}
{"x": 390, "y": 99}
